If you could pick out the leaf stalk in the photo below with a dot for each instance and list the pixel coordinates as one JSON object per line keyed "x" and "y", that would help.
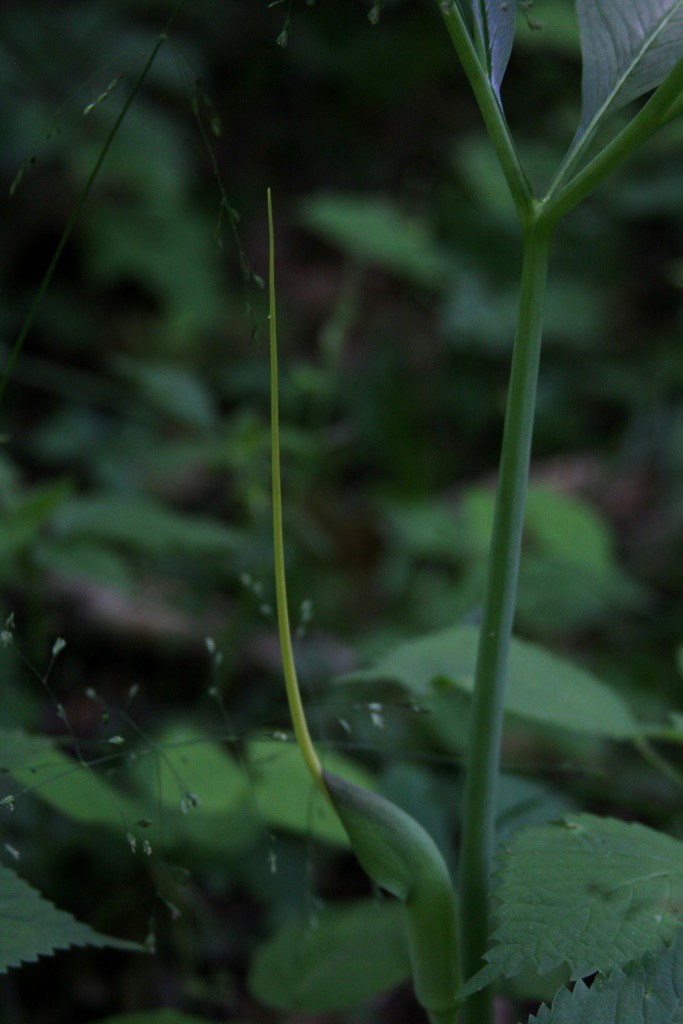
{"x": 561, "y": 199}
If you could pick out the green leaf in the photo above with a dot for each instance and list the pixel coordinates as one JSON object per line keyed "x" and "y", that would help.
{"x": 541, "y": 687}
{"x": 85, "y": 560}
{"x": 333, "y": 961}
{"x": 496, "y": 24}
{"x": 31, "y": 926}
{"x": 677, "y": 721}
{"x": 559, "y": 526}
{"x": 22, "y": 523}
{"x": 154, "y": 1017}
{"x": 628, "y": 48}
{"x": 173, "y": 390}
{"x": 142, "y": 525}
{"x": 200, "y": 791}
{"x": 651, "y": 992}
{"x": 374, "y": 231}
{"x": 568, "y": 529}
{"x": 170, "y": 256}
{"x": 19, "y": 749}
{"x": 286, "y": 795}
{"x": 590, "y": 892}
{"x": 76, "y": 790}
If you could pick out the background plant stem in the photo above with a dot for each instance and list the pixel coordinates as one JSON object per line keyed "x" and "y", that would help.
{"x": 71, "y": 223}
{"x": 496, "y": 628}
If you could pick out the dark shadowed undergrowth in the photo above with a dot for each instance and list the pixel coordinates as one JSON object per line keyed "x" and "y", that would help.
{"x": 152, "y": 789}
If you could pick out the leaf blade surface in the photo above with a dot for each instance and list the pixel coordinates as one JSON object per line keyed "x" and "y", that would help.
{"x": 594, "y": 893}
{"x": 628, "y": 48}
{"x": 496, "y": 24}
{"x": 335, "y": 961}
{"x": 647, "y": 993}
{"x": 542, "y": 687}
{"x": 31, "y": 926}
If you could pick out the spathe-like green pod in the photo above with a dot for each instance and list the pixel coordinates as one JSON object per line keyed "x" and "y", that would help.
{"x": 401, "y": 857}
{"x": 396, "y": 852}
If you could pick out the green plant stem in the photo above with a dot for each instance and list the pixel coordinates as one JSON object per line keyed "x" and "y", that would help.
{"x": 663, "y": 734}
{"x": 560, "y": 198}
{"x": 66, "y": 234}
{"x": 499, "y": 605}
{"x": 296, "y": 708}
{"x": 491, "y": 110}
{"x": 654, "y": 758}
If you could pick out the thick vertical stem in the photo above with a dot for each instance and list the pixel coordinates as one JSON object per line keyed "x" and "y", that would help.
{"x": 498, "y": 614}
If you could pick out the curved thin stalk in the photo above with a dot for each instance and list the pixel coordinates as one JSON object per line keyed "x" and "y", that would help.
{"x": 655, "y": 759}
{"x": 296, "y": 708}
{"x": 483, "y": 759}
{"x": 66, "y": 234}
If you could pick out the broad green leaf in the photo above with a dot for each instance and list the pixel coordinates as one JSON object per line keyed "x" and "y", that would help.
{"x": 31, "y": 926}
{"x": 188, "y": 788}
{"x": 647, "y": 993}
{"x": 173, "y": 390}
{"x": 677, "y": 722}
{"x": 592, "y": 893}
{"x": 9, "y": 480}
{"x": 136, "y": 523}
{"x": 85, "y": 560}
{"x": 541, "y": 687}
{"x": 559, "y": 526}
{"x": 568, "y": 529}
{"x": 19, "y": 749}
{"x": 154, "y": 1017}
{"x": 556, "y": 595}
{"x": 496, "y": 24}
{"x": 22, "y": 521}
{"x": 480, "y": 313}
{"x": 286, "y": 795}
{"x": 628, "y": 48}
{"x": 334, "y": 960}
{"x": 79, "y": 791}
{"x": 569, "y": 577}
{"x": 374, "y": 231}
{"x": 199, "y": 791}
{"x": 172, "y": 258}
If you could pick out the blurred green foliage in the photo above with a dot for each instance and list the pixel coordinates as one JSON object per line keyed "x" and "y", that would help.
{"x": 134, "y": 472}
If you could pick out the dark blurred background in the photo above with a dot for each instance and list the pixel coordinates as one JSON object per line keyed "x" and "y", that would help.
{"x": 134, "y": 468}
